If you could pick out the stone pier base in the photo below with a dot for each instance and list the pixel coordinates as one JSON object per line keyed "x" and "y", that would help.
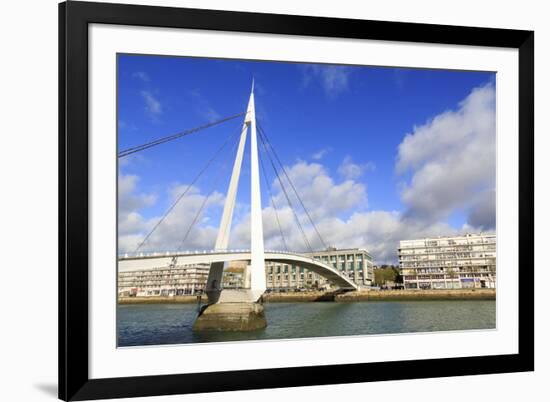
{"x": 231, "y": 317}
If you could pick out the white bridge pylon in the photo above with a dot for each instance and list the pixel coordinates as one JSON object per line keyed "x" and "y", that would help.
{"x": 256, "y": 271}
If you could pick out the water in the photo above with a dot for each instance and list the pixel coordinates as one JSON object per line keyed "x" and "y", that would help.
{"x": 158, "y": 324}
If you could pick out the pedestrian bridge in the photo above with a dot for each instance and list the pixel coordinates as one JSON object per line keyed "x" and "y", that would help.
{"x": 257, "y": 255}
{"x": 159, "y": 260}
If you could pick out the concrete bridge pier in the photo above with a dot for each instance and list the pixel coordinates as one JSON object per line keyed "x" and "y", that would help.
{"x": 235, "y": 310}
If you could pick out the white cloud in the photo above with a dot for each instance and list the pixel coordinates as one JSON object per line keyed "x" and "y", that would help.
{"x": 482, "y": 213}
{"x": 170, "y": 234}
{"x": 320, "y": 154}
{"x": 377, "y": 231}
{"x": 127, "y": 197}
{"x": 350, "y": 170}
{"x": 152, "y": 104}
{"x": 240, "y": 233}
{"x": 321, "y": 195}
{"x": 129, "y": 203}
{"x": 333, "y": 79}
{"x": 324, "y": 199}
{"x": 451, "y": 158}
{"x": 141, "y": 75}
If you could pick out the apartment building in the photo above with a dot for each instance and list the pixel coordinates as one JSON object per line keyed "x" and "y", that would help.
{"x": 454, "y": 262}
{"x": 163, "y": 281}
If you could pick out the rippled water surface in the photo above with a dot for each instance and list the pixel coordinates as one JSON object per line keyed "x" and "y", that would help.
{"x": 156, "y": 324}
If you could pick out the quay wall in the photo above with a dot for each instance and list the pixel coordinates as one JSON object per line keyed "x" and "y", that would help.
{"x": 433, "y": 294}
{"x": 298, "y": 297}
{"x": 364, "y": 295}
{"x": 160, "y": 300}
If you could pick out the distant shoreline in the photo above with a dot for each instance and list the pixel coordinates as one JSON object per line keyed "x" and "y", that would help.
{"x": 366, "y": 295}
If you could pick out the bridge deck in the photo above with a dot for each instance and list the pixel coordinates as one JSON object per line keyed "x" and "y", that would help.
{"x": 157, "y": 260}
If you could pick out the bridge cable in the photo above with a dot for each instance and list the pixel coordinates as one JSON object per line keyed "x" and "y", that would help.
{"x": 273, "y": 203}
{"x": 306, "y": 241}
{"x": 182, "y": 195}
{"x": 197, "y": 215}
{"x": 262, "y": 133}
{"x": 162, "y": 140}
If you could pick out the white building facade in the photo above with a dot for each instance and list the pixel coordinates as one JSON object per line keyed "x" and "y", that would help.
{"x": 355, "y": 263}
{"x": 458, "y": 262}
{"x": 163, "y": 281}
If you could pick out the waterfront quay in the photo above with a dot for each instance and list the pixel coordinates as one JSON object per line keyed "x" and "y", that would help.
{"x": 418, "y": 295}
{"x": 321, "y": 296}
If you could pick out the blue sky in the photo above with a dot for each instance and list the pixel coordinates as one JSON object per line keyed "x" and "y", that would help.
{"x": 364, "y": 133}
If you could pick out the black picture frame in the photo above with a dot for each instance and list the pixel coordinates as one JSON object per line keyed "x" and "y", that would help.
{"x": 74, "y": 18}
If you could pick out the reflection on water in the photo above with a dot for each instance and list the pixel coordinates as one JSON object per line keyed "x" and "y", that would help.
{"x": 157, "y": 324}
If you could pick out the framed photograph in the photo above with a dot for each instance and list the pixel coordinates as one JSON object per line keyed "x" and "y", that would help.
{"x": 258, "y": 201}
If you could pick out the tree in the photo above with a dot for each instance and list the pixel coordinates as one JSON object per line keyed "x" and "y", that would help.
{"x": 387, "y": 273}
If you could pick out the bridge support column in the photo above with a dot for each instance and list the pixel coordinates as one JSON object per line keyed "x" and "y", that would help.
{"x": 231, "y": 317}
